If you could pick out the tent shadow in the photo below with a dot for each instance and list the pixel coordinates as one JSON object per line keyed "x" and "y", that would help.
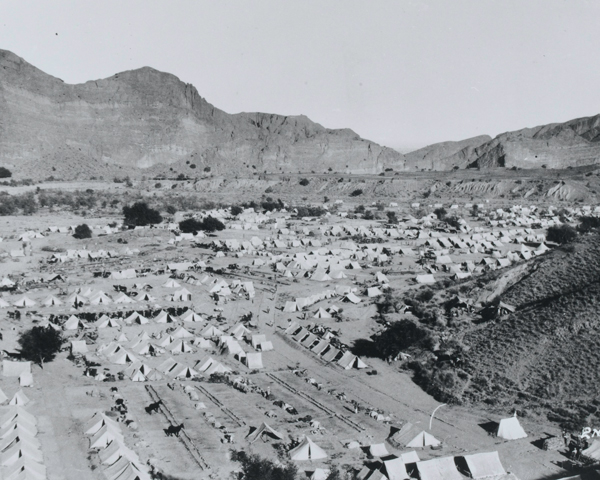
{"x": 490, "y": 427}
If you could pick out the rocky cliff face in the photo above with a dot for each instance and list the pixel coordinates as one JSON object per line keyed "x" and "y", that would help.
{"x": 558, "y": 145}
{"x": 144, "y": 120}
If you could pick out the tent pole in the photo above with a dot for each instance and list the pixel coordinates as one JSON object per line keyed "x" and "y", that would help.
{"x": 433, "y": 413}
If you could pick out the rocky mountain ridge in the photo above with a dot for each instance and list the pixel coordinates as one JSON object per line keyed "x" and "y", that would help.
{"x": 145, "y": 120}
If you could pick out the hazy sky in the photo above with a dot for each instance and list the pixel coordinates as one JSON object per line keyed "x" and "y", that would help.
{"x": 401, "y": 73}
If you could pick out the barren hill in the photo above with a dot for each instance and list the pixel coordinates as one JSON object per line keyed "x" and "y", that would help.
{"x": 145, "y": 118}
{"x": 444, "y": 155}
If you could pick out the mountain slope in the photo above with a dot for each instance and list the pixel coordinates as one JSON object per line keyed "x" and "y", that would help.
{"x": 444, "y": 155}
{"x": 145, "y": 118}
{"x": 544, "y": 357}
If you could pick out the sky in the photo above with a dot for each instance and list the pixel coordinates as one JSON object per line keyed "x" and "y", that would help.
{"x": 401, "y": 73}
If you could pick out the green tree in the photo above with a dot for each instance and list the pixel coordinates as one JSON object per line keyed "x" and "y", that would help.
{"x": 139, "y": 215}
{"x": 82, "y": 231}
{"x": 40, "y": 344}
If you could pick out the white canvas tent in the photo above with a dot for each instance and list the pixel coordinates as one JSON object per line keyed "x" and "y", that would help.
{"x": 510, "y": 429}
{"x": 307, "y": 450}
{"x": 483, "y": 465}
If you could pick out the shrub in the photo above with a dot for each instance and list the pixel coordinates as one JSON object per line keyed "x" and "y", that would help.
{"x": 171, "y": 209}
{"x": 561, "y": 234}
{"x": 207, "y": 169}
{"x": 440, "y": 213}
{"x": 5, "y": 172}
{"x": 304, "y": 182}
{"x": 356, "y": 193}
{"x": 310, "y": 211}
{"x": 158, "y": 185}
{"x": 208, "y": 224}
{"x": 588, "y": 223}
{"x": 360, "y": 209}
{"x": 392, "y": 217}
{"x": 400, "y": 336}
{"x": 236, "y": 209}
{"x": 40, "y": 344}
{"x": 82, "y": 231}
{"x": 193, "y": 165}
{"x": 139, "y": 214}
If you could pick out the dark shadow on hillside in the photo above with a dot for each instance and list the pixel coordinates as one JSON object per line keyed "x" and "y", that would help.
{"x": 363, "y": 347}
{"x": 490, "y": 427}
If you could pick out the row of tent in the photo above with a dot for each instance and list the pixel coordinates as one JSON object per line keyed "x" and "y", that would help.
{"x": 117, "y": 460}
{"x": 20, "y": 450}
{"x": 323, "y": 348}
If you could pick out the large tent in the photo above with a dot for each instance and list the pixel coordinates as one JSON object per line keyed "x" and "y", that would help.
{"x": 307, "y": 450}
{"x": 482, "y": 465}
{"x": 442, "y": 468}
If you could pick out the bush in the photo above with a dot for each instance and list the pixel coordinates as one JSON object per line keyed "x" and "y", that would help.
{"x": 209, "y": 224}
{"x": 392, "y": 217}
{"x": 236, "y": 209}
{"x": 561, "y": 234}
{"x": 356, "y": 193}
{"x": 588, "y": 223}
{"x": 440, "y": 213}
{"x": 304, "y": 182}
{"x": 207, "y": 169}
{"x": 40, "y": 344}
{"x": 82, "y": 231}
{"x": 400, "y": 336}
{"x": 5, "y": 172}
{"x": 171, "y": 209}
{"x": 310, "y": 211}
{"x": 140, "y": 215}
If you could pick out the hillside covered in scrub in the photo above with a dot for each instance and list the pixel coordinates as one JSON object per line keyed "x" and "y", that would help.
{"x": 542, "y": 358}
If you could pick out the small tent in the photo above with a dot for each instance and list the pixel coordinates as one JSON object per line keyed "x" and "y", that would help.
{"x": 262, "y": 432}
{"x": 510, "y": 429}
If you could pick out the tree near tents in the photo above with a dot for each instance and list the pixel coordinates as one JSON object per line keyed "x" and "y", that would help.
{"x": 82, "y": 231}
{"x": 255, "y": 467}
{"x": 40, "y": 344}
{"x": 140, "y": 215}
{"x": 561, "y": 234}
{"x": 208, "y": 224}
